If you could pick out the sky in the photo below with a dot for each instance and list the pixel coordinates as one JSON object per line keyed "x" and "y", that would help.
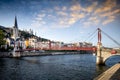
{"x": 65, "y": 20}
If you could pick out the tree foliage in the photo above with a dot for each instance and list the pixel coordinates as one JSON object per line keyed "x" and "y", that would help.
{"x": 25, "y": 34}
{"x": 2, "y": 36}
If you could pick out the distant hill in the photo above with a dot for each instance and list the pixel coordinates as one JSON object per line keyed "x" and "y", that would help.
{"x": 1, "y": 27}
{"x": 24, "y": 34}
{"x": 27, "y": 35}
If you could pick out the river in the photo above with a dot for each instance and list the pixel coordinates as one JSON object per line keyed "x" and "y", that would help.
{"x": 53, "y": 67}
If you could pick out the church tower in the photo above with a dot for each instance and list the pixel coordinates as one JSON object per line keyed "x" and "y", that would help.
{"x": 15, "y": 30}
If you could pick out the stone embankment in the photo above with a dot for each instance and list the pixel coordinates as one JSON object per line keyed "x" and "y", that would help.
{"x": 5, "y": 54}
{"x": 110, "y": 74}
{"x": 25, "y": 54}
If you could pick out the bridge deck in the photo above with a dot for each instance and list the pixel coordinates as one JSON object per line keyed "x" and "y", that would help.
{"x": 109, "y": 73}
{"x": 73, "y": 48}
{"x": 61, "y": 48}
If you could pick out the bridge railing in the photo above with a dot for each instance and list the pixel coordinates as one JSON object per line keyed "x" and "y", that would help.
{"x": 71, "y": 48}
{"x": 61, "y": 48}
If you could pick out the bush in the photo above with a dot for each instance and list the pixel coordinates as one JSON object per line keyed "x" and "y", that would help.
{"x": 9, "y": 48}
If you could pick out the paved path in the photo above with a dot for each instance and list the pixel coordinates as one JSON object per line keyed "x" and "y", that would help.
{"x": 116, "y": 76}
{"x": 110, "y": 73}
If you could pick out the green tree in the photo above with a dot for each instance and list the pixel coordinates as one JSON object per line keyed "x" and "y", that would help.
{"x": 2, "y": 36}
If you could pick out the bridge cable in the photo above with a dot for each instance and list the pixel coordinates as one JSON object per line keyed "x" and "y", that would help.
{"x": 110, "y": 38}
{"x": 91, "y": 35}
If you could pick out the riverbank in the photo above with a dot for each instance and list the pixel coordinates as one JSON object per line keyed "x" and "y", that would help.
{"x": 112, "y": 73}
{"x": 5, "y": 54}
{"x": 25, "y": 54}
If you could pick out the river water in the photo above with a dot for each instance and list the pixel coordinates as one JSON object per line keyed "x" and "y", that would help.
{"x": 54, "y": 67}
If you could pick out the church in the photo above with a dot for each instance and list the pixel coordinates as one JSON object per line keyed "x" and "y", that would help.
{"x": 16, "y": 41}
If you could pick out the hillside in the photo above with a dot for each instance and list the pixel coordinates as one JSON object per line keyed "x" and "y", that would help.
{"x": 26, "y": 35}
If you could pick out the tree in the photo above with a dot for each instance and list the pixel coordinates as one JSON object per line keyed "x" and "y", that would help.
{"x": 2, "y": 36}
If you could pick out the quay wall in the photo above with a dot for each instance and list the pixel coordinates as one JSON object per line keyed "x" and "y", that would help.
{"x": 25, "y": 54}
{"x": 5, "y": 54}
{"x": 109, "y": 74}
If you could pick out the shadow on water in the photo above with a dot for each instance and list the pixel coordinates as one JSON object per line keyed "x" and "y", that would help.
{"x": 109, "y": 63}
{"x": 33, "y": 61}
{"x": 113, "y": 60}
{"x": 100, "y": 69}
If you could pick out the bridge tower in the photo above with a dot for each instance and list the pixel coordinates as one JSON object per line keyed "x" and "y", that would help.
{"x": 99, "y": 58}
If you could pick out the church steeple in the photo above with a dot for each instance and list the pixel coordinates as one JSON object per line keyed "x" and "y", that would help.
{"x": 15, "y": 30}
{"x": 15, "y": 25}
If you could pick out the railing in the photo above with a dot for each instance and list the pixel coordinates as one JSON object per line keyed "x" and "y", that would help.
{"x": 71, "y": 48}
{"x": 60, "y": 48}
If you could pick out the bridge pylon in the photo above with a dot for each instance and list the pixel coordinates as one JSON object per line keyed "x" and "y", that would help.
{"x": 99, "y": 58}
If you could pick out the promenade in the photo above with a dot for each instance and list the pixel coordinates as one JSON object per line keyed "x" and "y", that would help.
{"x": 112, "y": 73}
{"x": 27, "y": 54}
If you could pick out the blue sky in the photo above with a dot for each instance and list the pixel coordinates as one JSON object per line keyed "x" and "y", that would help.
{"x": 65, "y": 20}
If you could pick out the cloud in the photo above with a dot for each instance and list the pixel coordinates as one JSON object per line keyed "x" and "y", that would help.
{"x": 93, "y": 14}
{"x": 111, "y": 13}
{"x": 76, "y": 7}
{"x": 72, "y": 21}
{"x": 61, "y": 13}
{"x": 108, "y": 20}
{"x": 41, "y": 15}
{"x": 102, "y": 14}
{"x": 108, "y": 11}
{"x": 77, "y": 15}
{"x": 92, "y": 18}
{"x": 107, "y": 6}
{"x": 60, "y": 17}
{"x": 64, "y": 8}
{"x": 56, "y": 8}
{"x": 87, "y": 24}
{"x": 38, "y": 23}
{"x": 91, "y": 7}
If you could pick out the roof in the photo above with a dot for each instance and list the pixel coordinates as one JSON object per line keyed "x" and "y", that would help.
{"x": 15, "y": 25}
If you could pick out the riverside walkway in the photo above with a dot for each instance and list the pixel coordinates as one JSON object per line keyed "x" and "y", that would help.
{"x": 112, "y": 73}
{"x": 27, "y": 54}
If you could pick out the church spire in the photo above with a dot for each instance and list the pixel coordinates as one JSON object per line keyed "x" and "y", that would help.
{"x": 15, "y": 30}
{"x": 15, "y": 25}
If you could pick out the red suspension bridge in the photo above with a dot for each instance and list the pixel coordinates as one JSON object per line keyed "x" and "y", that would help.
{"x": 101, "y": 54}
{"x": 73, "y": 47}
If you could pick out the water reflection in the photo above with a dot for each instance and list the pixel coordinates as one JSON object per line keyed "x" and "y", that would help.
{"x": 113, "y": 60}
{"x": 57, "y": 67}
{"x": 32, "y": 61}
{"x": 10, "y": 68}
